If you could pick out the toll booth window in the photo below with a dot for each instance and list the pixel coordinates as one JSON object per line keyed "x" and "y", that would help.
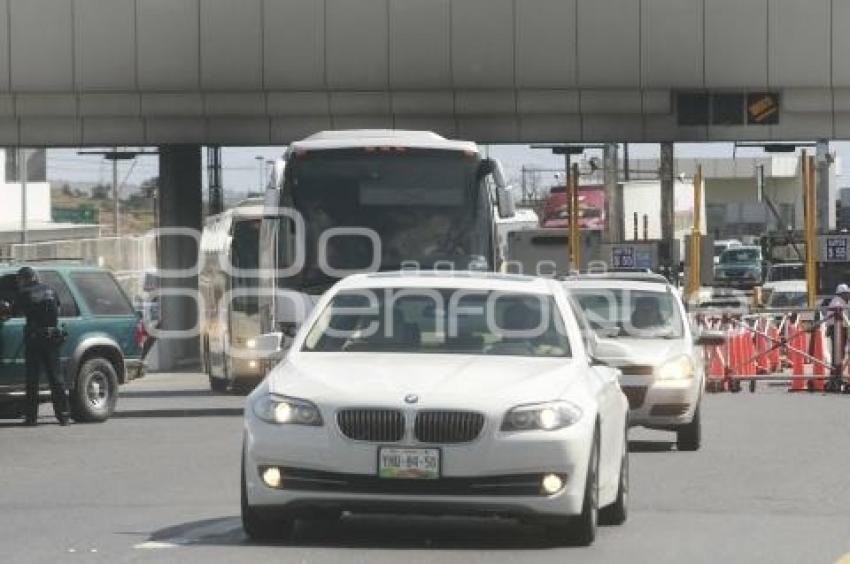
{"x": 68, "y": 305}
{"x": 692, "y": 108}
{"x": 102, "y": 293}
{"x": 727, "y": 109}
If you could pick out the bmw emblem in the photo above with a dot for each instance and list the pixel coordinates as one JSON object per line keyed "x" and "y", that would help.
{"x": 411, "y": 398}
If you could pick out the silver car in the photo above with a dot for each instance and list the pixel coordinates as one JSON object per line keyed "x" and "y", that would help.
{"x": 642, "y": 329}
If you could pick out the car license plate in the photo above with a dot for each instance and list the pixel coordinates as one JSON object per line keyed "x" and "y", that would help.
{"x": 409, "y": 463}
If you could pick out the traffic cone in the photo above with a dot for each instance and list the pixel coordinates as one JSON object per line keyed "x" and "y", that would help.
{"x": 716, "y": 370}
{"x": 795, "y": 336}
{"x": 763, "y": 343}
{"x": 817, "y": 351}
{"x": 750, "y": 352}
{"x": 775, "y": 355}
{"x": 734, "y": 366}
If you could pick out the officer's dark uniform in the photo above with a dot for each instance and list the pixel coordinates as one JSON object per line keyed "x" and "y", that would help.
{"x": 42, "y": 341}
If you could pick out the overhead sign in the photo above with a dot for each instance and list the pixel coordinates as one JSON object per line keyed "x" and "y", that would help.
{"x": 763, "y": 108}
{"x": 623, "y": 257}
{"x": 836, "y": 249}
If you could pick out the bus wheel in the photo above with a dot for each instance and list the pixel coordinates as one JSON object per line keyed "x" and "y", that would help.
{"x": 218, "y": 385}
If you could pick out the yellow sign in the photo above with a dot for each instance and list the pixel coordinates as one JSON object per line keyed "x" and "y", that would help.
{"x": 763, "y": 108}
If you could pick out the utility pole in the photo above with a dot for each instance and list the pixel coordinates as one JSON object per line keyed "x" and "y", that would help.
{"x": 694, "y": 274}
{"x": 575, "y": 234}
{"x": 216, "y": 193}
{"x": 261, "y": 162}
{"x": 823, "y": 161}
{"x": 22, "y": 177}
{"x": 668, "y": 198}
{"x": 613, "y": 195}
{"x": 811, "y": 209}
{"x": 116, "y": 225}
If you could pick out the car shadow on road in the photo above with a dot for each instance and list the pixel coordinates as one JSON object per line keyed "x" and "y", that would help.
{"x": 166, "y": 413}
{"x": 371, "y": 532}
{"x": 156, "y": 394}
{"x": 651, "y": 446}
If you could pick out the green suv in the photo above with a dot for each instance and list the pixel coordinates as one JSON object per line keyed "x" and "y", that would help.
{"x": 103, "y": 345}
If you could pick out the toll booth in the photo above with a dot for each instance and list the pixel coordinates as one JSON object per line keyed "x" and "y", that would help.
{"x": 833, "y": 262}
{"x": 545, "y": 252}
{"x": 652, "y": 254}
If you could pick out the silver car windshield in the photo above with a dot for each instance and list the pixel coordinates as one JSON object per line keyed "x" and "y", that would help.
{"x": 447, "y": 321}
{"x": 630, "y": 313}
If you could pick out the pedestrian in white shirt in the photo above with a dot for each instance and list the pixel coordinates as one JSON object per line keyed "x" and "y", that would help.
{"x": 836, "y": 328}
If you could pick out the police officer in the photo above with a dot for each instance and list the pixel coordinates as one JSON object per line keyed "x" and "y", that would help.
{"x": 42, "y": 341}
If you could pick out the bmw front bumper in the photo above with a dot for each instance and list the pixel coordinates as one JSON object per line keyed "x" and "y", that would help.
{"x": 323, "y": 471}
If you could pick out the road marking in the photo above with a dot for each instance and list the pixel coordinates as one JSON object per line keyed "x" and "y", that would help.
{"x": 155, "y": 545}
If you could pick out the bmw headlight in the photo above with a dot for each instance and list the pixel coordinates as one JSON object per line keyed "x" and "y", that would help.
{"x": 679, "y": 368}
{"x": 287, "y": 411}
{"x": 541, "y": 416}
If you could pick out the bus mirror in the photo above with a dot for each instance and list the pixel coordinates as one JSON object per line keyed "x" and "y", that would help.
{"x": 504, "y": 194}
{"x": 505, "y": 201}
{"x": 485, "y": 168}
{"x": 269, "y": 345}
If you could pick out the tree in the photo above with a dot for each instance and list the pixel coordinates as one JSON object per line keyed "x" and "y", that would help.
{"x": 101, "y": 192}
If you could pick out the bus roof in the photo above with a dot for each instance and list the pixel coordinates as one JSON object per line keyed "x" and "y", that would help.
{"x": 356, "y": 138}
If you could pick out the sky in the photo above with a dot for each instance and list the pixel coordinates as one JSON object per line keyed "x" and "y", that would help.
{"x": 244, "y": 169}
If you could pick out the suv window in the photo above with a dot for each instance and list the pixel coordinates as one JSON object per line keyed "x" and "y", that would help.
{"x": 67, "y": 304}
{"x": 102, "y": 293}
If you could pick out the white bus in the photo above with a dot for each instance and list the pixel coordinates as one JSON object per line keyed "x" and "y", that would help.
{"x": 425, "y": 201}
{"x": 228, "y": 285}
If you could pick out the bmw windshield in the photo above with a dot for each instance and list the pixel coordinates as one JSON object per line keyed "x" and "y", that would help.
{"x": 429, "y": 320}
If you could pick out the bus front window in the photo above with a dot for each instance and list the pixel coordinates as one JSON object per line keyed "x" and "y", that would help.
{"x": 426, "y": 206}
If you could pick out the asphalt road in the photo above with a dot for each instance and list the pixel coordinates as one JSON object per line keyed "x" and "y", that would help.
{"x": 160, "y": 483}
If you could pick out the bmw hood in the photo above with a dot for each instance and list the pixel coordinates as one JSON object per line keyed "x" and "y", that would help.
{"x": 438, "y": 380}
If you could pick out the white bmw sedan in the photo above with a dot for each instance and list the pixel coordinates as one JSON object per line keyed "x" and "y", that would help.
{"x": 426, "y": 393}
{"x": 642, "y": 329}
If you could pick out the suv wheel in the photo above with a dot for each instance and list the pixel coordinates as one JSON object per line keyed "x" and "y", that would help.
{"x": 96, "y": 392}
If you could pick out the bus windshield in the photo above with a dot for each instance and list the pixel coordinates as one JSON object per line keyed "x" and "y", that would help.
{"x": 245, "y": 260}
{"x": 424, "y": 205}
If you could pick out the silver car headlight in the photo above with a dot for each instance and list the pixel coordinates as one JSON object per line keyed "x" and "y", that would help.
{"x": 678, "y": 368}
{"x": 287, "y": 411}
{"x": 547, "y": 416}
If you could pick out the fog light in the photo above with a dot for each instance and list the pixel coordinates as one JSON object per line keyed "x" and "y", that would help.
{"x": 272, "y": 477}
{"x": 552, "y": 484}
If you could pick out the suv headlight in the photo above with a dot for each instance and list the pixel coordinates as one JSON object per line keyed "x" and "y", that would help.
{"x": 541, "y": 416}
{"x": 287, "y": 411}
{"x": 679, "y": 368}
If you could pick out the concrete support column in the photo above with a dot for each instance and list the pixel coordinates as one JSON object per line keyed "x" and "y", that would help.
{"x": 613, "y": 195}
{"x": 179, "y": 206}
{"x": 825, "y": 205}
{"x": 668, "y": 184}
